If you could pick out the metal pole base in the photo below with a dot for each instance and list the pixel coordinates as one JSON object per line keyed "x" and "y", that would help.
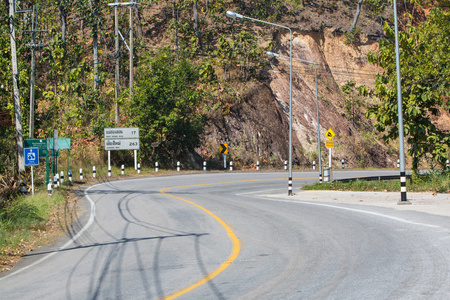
{"x": 290, "y": 187}
{"x": 406, "y": 202}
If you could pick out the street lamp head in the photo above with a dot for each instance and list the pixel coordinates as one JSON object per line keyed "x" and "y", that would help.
{"x": 233, "y": 15}
{"x": 271, "y": 54}
{"x": 122, "y": 3}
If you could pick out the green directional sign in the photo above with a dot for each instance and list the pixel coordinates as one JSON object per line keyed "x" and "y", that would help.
{"x": 41, "y": 144}
{"x": 63, "y": 143}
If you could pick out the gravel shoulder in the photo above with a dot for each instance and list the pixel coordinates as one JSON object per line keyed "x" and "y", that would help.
{"x": 431, "y": 203}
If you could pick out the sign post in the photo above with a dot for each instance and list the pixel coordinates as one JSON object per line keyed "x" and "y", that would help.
{"x": 55, "y": 149}
{"x": 330, "y": 145}
{"x": 47, "y": 161}
{"x": 61, "y": 143}
{"x": 122, "y": 139}
{"x": 31, "y": 159}
{"x": 43, "y": 150}
{"x": 223, "y": 148}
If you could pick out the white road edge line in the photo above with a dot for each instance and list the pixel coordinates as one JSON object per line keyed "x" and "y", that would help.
{"x": 354, "y": 210}
{"x": 257, "y": 192}
{"x": 71, "y": 241}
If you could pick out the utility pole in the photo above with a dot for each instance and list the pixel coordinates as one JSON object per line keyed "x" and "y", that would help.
{"x": 117, "y": 57}
{"x": 131, "y": 51}
{"x": 117, "y": 33}
{"x": 33, "y": 46}
{"x": 17, "y": 112}
{"x": 32, "y": 83}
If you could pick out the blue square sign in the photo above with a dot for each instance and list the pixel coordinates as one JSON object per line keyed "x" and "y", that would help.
{"x": 31, "y": 156}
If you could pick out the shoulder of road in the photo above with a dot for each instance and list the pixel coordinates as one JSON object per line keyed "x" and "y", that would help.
{"x": 432, "y": 203}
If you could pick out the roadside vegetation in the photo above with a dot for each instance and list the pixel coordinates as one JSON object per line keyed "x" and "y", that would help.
{"x": 30, "y": 222}
{"x": 435, "y": 182}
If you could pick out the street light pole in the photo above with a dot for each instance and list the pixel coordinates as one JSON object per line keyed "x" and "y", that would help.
{"x": 271, "y": 54}
{"x": 403, "y": 199}
{"x": 234, "y": 15}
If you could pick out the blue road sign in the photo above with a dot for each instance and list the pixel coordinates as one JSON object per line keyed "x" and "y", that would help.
{"x": 31, "y": 156}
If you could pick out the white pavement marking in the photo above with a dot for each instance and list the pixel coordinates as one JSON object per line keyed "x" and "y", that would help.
{"x": 354, "y": 210}
{"x": 257, "y": 192}
{"x": 71, "y": 241}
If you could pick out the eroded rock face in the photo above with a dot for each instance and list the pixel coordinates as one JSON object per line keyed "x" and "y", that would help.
{"x": 337, "y": 63}
{"x": 257, "y": 128}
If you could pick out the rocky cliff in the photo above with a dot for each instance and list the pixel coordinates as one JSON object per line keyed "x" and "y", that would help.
{"x": 257, "y": 128}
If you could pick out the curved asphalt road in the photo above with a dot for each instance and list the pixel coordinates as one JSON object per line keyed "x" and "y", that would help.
{"x": 210, "y": 236}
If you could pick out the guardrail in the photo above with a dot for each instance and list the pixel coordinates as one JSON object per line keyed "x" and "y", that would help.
{"x": 372, "y": 178}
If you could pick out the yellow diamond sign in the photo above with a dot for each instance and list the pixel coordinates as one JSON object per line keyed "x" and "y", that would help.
{"x": 330, "y": 134}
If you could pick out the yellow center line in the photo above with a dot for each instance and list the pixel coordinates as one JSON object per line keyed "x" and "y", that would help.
{"x": 234, "y": 253}
{"x": 236, "y": 244}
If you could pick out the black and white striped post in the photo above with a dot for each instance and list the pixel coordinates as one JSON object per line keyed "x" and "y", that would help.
{"x": 290, "y": 186}
{"x": 156, "y": 167}
{"x": 94, "y": 172}
{"x": 285, "y": 165}
{"x": 314, "y": 165}
{"x": 109, "y": 163}
{"x": 70, "y": 175}
{"x": 257, "y": 165}
{"x": 403, "y": 188}
{"x": 81, "y": 174}
{"x": 139, "y": 168}
{"x": 123, "y": 169}
{"x": 447, "y": 163}
{"x": 231, "y": 166}
{"x": 55, "y": 181}
{"x": 62, "y": 177}
{"x": 204, "y": 165}
{"x": 343, "y": 163}
{"x": 178, "y": 166}
{"x": 398, "y": 163}
{"x": 49, "y": 187}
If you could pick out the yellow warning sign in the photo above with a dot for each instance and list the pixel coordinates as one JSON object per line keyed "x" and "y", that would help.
{"x": 223, "y": 148}
{"x": 330, "y": 134}
{"x": 329, "y": 144}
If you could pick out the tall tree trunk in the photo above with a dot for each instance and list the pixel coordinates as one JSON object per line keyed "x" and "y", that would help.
{"x": 95, "y": 45}
{"x": 175, "y": 17}
{"x": 197, "y": 31}
{"x": 93, "y": 4}
{"x": 138, "y": 17}
{"x": 358, "y": 12}
{"x": 63, "y": 18}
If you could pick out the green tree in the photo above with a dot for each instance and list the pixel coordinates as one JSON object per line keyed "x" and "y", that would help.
{"x": 353, "y": 103}
{"x": 246, "y": 46}
{"x": 425, "y": 70}
{"x": 167, "y": 107}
